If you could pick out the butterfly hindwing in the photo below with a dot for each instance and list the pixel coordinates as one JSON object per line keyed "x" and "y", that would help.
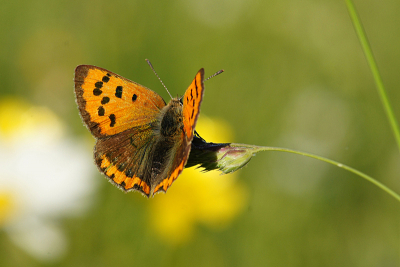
{"x": 110, "y": 104}
{"x": 177, "y": 165}
{"x": 126, "y": 158}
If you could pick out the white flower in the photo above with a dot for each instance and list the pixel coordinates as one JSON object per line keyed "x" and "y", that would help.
{"x": 44, "y": 176}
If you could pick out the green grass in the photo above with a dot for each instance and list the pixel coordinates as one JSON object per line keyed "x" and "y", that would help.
{"x": 374, "y": 69}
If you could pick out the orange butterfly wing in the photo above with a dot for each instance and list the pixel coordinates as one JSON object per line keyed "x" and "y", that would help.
{"x": 110, "y": 104}
{"x": 191, "y": 104}
{"x": 127, "y": 158}
{"x": 191, "y": 108}
{"x": 120, "y": 114}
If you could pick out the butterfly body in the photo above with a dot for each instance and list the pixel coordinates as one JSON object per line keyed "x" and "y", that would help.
{"x": 142, "y": 143}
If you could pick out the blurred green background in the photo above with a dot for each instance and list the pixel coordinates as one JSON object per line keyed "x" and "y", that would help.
{"x": 295, "y": 76}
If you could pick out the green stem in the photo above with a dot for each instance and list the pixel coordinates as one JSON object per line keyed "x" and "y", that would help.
{"x": 374, "y": 68}
{"x": 340, "y": 165}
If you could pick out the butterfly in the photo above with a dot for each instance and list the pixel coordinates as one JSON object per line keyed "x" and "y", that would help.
{"x": 142, "y": 143}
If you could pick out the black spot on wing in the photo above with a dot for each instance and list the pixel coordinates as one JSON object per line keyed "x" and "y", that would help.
{"x": 100, "y": 111}
{"x": 97, "y": 92}
{"x": 105, "y": 100}
{"x": 195, "y": 84}
{"x": 98, "y": 85}
{"x": 118, "y": 92}
{"x": 105, "y": 78}
{"x": 112, "y": 119}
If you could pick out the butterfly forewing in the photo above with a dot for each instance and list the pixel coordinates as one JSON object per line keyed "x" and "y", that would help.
{"x": 191, "y": 103}
{"x": 110, "y": 104}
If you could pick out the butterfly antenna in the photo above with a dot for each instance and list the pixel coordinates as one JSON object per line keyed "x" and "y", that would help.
{"x": 215, "y": 74}
{"x": 151, "y": 66}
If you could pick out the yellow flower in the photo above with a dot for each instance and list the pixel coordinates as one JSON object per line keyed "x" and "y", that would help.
{"x": 196, "y": 197}
{"x": 6, "y": 207}
{"x": 18, "y": 120}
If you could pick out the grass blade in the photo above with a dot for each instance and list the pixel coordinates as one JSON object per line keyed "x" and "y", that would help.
{"x": 374, "y": 68}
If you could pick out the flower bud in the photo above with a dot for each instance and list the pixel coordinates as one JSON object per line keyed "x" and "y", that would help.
{"x": 226, "y": 157}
